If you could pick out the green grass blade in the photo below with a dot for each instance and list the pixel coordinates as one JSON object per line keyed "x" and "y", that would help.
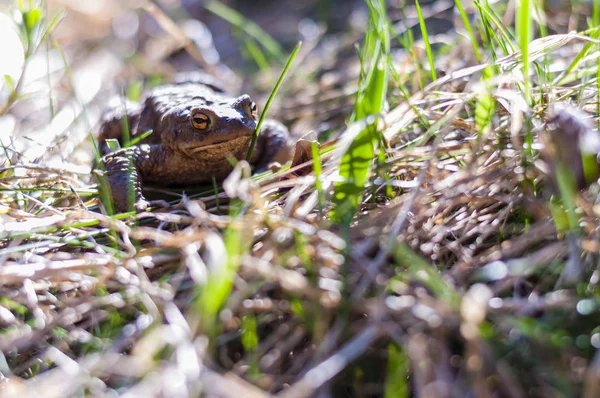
{"x": 55, "y": 21}
{"x": 524, "y": 31}
{"x": 252, "y": 29}
{"x": 486, "y": 106}
{"x": 275, "y": 89}
{"x": 250, "y": 343}
{"x": 560, "y": 80}
{"x": 257, "y": 55}
{"x": 125, "y": 127}
{"x": 360, "y": 146}
{"x": 317, "y": 167}
{"x": 426, "y": 41}
{"x": 356, "y": 162}
{"x": 504, "y": 39}
{"x": 567, "y": 186}
{"x": 398, "y": 371}
{"x": 469, "y": 28}
{"x": 424, "y": 272}
{"x": 214, "y": 294}
{"x": 134, "y": 90}
{"x": 139, "y": 138}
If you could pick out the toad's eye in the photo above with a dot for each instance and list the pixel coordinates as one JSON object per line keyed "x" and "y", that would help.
{"x": 200, "y": 120}
{"x": 253, "y": 109}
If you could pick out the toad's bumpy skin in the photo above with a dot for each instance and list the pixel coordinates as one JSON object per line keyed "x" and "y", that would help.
{"x": 196, "y": 129}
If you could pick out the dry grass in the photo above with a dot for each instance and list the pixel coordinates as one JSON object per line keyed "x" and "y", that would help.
{"x": 457, "y": 276}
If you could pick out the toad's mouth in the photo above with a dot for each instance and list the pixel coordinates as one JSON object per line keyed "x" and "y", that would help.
{"x": 224, "y": 147}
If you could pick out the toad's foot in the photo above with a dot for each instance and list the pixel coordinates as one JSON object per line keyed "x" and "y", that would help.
{"x": 124, "y": 180}
{"x": 273, "y": 146}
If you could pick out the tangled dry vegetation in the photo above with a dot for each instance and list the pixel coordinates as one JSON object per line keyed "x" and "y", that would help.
{"x": 450, "y": 280}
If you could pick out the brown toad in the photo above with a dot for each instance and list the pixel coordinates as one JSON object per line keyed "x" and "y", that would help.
{"x": 197, "y": 129}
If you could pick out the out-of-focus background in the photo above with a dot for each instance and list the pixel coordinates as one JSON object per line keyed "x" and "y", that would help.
{"x": 106, "y": 48}
{"x": 101, "y": 48}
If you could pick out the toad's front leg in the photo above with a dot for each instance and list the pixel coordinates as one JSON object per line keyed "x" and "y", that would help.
{"x": 124, "y": 179}
{"x": 274, "y": 144}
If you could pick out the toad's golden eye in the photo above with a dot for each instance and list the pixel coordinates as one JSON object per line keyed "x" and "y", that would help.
{"x": 253, "y": 109}
{"x": 200, "y": 120}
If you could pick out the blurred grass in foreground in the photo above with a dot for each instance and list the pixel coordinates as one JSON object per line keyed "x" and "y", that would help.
{"x": 425, "y": 248}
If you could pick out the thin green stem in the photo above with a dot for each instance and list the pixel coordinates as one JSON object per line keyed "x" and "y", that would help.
{"x": 275, "y": 89}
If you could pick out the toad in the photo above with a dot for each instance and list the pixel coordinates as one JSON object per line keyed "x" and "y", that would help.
{"x": 196, "y": 131}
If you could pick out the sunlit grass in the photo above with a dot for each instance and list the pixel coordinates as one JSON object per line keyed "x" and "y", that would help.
{"x": 356, "y": 162}
{"x": 290, "y": 276}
